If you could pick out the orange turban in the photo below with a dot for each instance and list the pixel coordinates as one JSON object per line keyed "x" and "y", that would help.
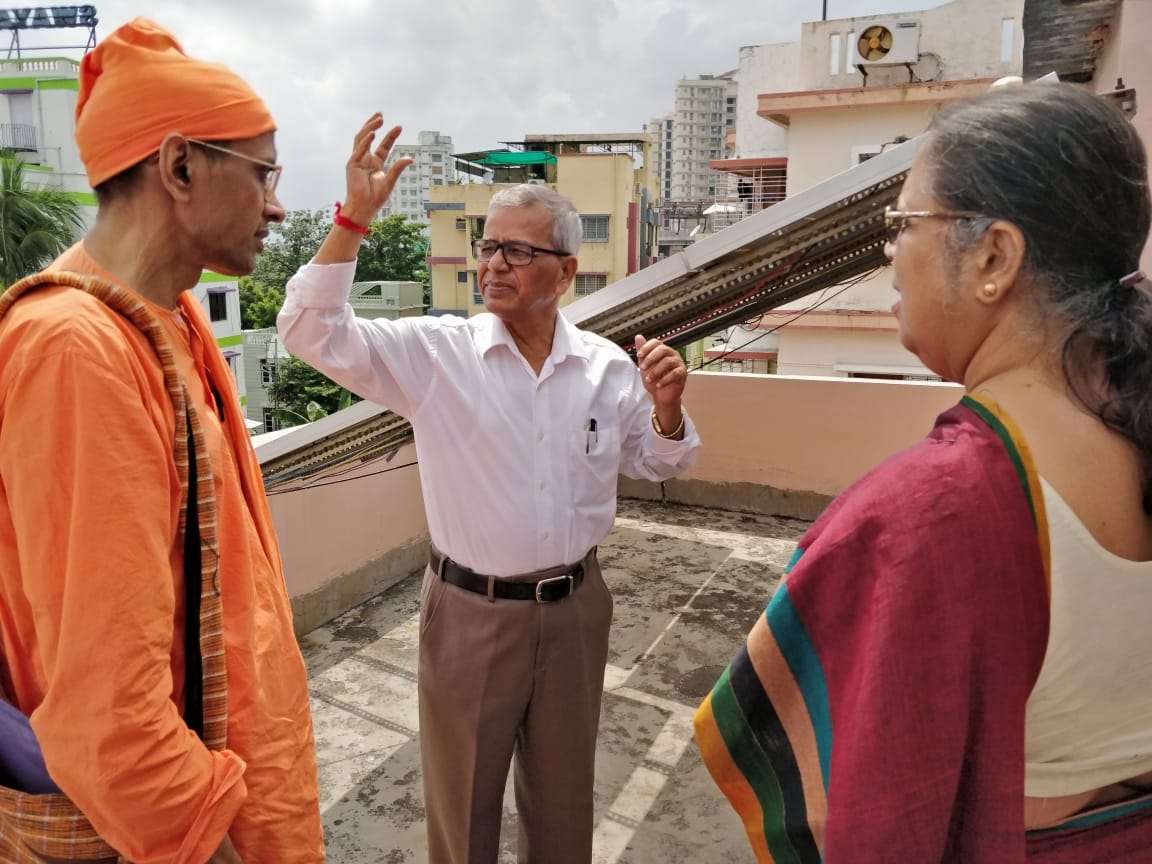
{"x": 138, "y": 86}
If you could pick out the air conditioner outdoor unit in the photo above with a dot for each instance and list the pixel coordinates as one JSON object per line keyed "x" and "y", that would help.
{"x": 887, "y": 43}
{"x": 461, "y": 224}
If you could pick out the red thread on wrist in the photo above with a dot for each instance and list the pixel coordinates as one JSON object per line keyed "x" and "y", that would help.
{"x": 345, "y": 222}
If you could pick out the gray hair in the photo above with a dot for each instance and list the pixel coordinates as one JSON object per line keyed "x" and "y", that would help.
{"x": 1071, "y": 173}
{"x": 567, "y": 230}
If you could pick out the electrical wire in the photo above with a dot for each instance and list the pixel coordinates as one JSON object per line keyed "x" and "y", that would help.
{"x": 851, "y": 283}
{"x": 318, "y": 485}
{"x": 787, "y": 266}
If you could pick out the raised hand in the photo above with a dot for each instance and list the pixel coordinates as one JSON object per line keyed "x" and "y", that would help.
{"x": 369, "y": 185}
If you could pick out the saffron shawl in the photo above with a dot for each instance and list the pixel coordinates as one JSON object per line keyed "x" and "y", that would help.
{"x": 49, "y": 826}
{"x": 876, "y": 712}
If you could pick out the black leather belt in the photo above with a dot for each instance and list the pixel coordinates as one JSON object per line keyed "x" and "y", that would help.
{"x": 549, "y": 589}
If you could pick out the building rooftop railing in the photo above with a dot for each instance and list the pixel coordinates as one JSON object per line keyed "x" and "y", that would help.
{"x": 40, "y": 64}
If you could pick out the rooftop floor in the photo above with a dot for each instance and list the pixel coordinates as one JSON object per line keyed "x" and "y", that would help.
{"x": 688, "y": 585}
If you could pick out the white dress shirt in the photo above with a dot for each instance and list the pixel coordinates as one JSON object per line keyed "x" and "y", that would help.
{"x": 514, "y": 478}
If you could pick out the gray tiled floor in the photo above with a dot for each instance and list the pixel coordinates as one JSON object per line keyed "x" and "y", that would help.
{"x": 688, "y": 585}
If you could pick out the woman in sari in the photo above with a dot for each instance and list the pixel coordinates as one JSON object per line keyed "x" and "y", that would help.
{"x": 958, "y": 666}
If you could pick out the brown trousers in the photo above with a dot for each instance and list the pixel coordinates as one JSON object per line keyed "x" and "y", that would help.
{"x": 505, "y": 677}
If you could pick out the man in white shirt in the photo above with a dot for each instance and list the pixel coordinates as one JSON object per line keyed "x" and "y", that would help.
{"x": 522, "y": 424}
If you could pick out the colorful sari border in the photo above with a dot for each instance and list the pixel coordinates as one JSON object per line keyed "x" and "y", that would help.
{"x": 988, "y": 410}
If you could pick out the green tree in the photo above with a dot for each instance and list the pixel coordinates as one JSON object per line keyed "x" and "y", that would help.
{"x": 36, "y": 225}
{"x": 395, "y": 251}
{"x": 259, "y": 304}
{"x": 290, "y": 245}
{"x": 300, "y": 394}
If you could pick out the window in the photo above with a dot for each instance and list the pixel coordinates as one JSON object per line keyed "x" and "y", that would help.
{"x": 1007, "y": 39}
{"x": 267, "y": 371}
{"x": 589, "y": 283}
{"x": 462, "y": 276}
{"x": 477, "y": 300}
{"x": 595, "y": 229}
{"x": 437, "y": 157}
{"x": 217, "y": 306}
{"x": 271, "y": 424}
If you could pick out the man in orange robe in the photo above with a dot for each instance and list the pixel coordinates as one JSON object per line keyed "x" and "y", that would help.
{"x": 99, "y": 391}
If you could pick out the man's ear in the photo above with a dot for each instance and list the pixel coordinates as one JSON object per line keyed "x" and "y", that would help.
{"x": 568, "y": 267}
{"x": 175, "y": 166}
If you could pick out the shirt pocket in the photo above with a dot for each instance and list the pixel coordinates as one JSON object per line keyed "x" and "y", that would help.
{"x": 595, "y": 459}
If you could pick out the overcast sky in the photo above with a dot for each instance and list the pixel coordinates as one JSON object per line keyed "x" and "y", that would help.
{"x": 482, "y": 72}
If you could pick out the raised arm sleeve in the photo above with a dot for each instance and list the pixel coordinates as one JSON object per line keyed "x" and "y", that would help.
{"x": 86, "y": 462}
{"x": 388, "y": 362}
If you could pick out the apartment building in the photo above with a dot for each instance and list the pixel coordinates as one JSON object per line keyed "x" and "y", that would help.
{"x": 694, "y": 133}
{"x": 432, "y": 166}
{"x": 37, "y": 122}
{"x": 698, "y": 131}
{"x": 606, "y": 177}
{"x": 846, "y": 91}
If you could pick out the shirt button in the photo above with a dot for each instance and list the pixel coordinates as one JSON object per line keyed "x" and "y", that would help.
{"x": 547, "y": 535}
{"x": 543, "y": 485}
{"x": 539, "y": 436}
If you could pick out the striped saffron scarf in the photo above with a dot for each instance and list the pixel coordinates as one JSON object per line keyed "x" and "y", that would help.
{"x": 34, "y": 828}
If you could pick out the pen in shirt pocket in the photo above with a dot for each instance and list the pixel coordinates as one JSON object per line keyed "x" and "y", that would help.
{"x": 590, "y": 436}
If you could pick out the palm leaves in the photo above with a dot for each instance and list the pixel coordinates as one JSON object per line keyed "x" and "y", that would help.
{"x": 36, "y": 225}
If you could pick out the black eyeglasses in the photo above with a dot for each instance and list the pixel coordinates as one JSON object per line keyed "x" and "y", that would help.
{"x": 271, "y": 171}
{"x": 515, "y": 254}
{"x": 895, "y": 221}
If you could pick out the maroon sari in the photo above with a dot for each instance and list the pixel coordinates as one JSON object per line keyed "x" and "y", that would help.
{"x": 876, "y": 713}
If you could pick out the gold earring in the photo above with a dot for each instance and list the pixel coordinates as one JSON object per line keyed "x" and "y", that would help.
{"x": 990, "y": 290}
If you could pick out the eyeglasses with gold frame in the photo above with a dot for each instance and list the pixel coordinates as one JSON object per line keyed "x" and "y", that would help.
{"x": 271, "y": 170}
{"x": 895, "y": 221}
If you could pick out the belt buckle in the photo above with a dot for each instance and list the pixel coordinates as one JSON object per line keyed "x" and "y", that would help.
{"x": 562, "y": 577}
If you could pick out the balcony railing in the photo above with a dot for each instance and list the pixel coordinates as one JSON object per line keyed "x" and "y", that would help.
{"x": 17, "y": 136}
{"x": 60, "y": 65}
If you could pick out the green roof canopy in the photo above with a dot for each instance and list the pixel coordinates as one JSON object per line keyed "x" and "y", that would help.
{"x": 528, "y": 157}
{"x": 502, "y": 158}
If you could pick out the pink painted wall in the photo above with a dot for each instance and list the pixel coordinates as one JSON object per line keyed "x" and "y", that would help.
{"x": 329, "y": 530}
{"x": 806, "y": 434}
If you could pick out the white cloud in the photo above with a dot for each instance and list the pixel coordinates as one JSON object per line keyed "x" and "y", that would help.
{"x": 482, "y": 71}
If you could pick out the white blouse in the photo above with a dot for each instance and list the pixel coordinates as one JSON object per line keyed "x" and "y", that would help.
{"x": 1089, "y": 717}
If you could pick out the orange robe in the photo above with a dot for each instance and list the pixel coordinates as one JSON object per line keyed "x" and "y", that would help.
{"x": 91, "y": 589}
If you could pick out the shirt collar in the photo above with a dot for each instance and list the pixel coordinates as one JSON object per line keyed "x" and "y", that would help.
{"x": 566, "y": 341}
